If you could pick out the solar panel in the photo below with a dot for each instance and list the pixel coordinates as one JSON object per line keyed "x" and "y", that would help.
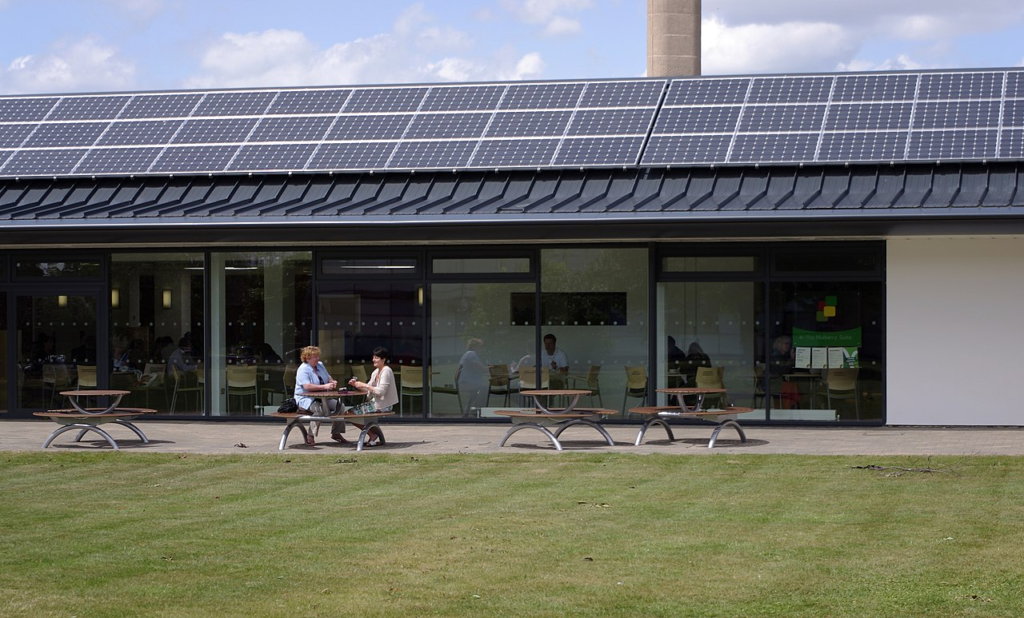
{"x": 1011, "y": 144}
{"x": 462, "y": 98}
{"x": 868, "y": 116}
{"x": 12, "y": 135}
{"x": 611, "y": 121}
{"x": 291, "y": 129}
{"x": 272, "y": 157}
{"x": 182, "y": 159}
{"x": 42, "y": 162}
{"x": 782, "y": 118}
{"x": 863, "y": 146}
{"x": 234, "y": 104}
{"x": 131, "y": 160}
{"x": 370, "y": 126}
{"x": 352, "y": 156}
{"x": 25, "y": 110}
{"x": 88, "y": 108}
{"x": 698, "y": 120}
{"x": 447, "y": 126}
{"x": 309, "y": 102}
{"x": 599, "y": 151}
{"x": 139, "y": 132}
{"x": 532, "y": 124}
{"x": 515, "y": 153}
{"x": 385, "y": 100}
{"x": 65, "y": 134}
{"x": 431, "y": 155}
{"x": 835, "y": 118}
{"x": 161, "y": 106}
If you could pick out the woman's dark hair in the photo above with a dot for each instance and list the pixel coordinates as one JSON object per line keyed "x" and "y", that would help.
{"x": 382, "y": 353}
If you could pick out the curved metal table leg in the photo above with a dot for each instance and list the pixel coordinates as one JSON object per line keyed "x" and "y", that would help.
{"x": 84, "y": 428}
{"x": 540, "y": 428}
{"x": 137, "y": 431}
{"x": 582, "y": 421}
{"x": 648, "y": 424}
{"x": 366, "y": 429}
{"x": 718, "y": 429}
{"x": 287, "y": 430}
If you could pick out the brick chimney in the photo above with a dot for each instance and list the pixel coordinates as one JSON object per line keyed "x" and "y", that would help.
{"x": 673, "y": 38}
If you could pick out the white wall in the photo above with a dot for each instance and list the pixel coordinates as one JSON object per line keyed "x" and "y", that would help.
{"x": 955, "y": 331}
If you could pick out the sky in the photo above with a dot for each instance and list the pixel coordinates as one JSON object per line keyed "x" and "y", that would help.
{"x": 69, "y": 46}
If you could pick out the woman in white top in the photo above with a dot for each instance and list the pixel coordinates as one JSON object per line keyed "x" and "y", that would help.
{"x": 380, "y": 389}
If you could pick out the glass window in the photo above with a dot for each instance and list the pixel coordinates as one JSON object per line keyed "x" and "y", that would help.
{"x": 355, "y": 318}
{"x": 56, "y": 339}
{"x": 156, "y": 330}
{"x": 712, "y": 325}
{"x": 376, "y": 267}
{"x": 605, "y": 343}
{"x": 825, "y": 355}
{"x": 711, "y": 264}
{"x": 69, "y": 269}
{"x": 3, "y": 352}
{"x": 816, "y": 260}
{"x": 477, "y": 344}
{"x": 263, "y": 304}
{"x": 442, "y": 266}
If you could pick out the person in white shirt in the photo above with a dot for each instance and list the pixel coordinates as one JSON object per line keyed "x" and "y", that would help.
{"x": 555, "y": 360}
{"x": 380, "y": 389}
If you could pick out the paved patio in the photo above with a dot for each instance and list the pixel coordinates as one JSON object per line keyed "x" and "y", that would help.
{"x": 423, "y": 439}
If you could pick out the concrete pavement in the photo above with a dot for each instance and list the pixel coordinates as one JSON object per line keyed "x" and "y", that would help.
{"x": 428, "y": 438}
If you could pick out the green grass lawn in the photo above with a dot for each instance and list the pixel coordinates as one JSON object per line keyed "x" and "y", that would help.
{"x": 116, "y": 534}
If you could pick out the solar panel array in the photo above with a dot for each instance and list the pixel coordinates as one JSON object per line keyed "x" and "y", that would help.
{"x": 839, "y": 118}
{"x": 513, "y": 125}
{"x": 882, "y": 117}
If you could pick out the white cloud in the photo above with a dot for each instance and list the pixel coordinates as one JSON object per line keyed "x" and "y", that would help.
{"x": 417, "y": 49}
{"x": 901, "y": 62}
{"x": 549, "y": 14}
{"x": 143, "y": 10}
{"x": 559, "y": 26}
{"x": 70, "y": 66}
{"x": 775, "y": 48}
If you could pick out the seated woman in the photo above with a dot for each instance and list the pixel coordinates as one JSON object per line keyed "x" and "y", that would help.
{"x": 312, "y": 376}
{"x": 380, "y": 392}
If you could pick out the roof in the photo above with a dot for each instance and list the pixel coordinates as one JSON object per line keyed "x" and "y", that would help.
{"x": 867, "y": 200}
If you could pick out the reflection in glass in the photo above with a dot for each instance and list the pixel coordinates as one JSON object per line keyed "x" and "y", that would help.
{"x": 263, "y": 306}
{"x": 704, "y": 325}
{"x": 3, "y": 348}
{"x": 53, "y": 341}
{"x": 156, "y": 350}
{"x": 826, "y": 350}
{"x": 357, "y": 317}
{"x": 612, "y": 335}
{"x": 476, "y": 347}
{"x": 78, "y": 269}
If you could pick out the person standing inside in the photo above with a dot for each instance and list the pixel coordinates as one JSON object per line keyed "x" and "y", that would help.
{"x": 312, "y": 376}
{"x": 380, "y": 392}
{"x": 473, "y": 378}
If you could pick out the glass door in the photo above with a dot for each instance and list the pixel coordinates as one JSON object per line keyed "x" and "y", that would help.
{"x": 357, "y": 317}
{"x": 55, "y": 339}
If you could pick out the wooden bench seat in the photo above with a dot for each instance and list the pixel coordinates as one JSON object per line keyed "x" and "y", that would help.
{"x": 660, "y": 415}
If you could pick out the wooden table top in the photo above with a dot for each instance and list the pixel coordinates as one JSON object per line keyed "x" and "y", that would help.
{"x": 338, "y": 393}
{"x": 94, "y": 393}
{"x": 555, "y": 392}
{"x": 691, "y": 391}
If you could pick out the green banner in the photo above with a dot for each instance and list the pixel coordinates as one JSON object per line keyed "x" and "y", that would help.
{"x": 839, "y": 339}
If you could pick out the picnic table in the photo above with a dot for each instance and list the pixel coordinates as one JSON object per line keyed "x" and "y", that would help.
{"x": 660, "y": 415}
{"x": 541, "y": 419}
{"x": 86, "y": 419}
{"x": 296, "y": 419}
